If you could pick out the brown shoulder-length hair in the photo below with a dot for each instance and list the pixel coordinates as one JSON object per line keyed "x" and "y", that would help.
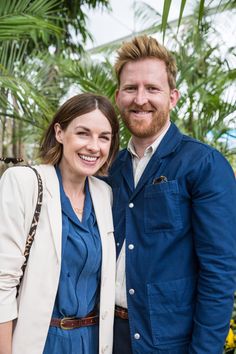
{"x": 51, "y": 149}
{"x": 143, "y": 47}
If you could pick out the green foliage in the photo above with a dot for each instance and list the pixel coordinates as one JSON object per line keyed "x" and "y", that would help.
{"x": 72, "y": 16}
{"x": 223, "y": 5}
{"x": 206, "y": 80}
{"x": 30, "y": 84}
{"x": 33, "y": 81}
{"x": 27, "y": 19}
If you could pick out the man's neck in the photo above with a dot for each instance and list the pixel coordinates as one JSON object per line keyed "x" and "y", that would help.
{"x": 141, "y": 144}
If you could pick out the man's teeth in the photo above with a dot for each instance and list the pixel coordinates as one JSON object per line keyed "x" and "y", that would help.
{"x": 88, "y": 158}
{"x": 142, "y": 112}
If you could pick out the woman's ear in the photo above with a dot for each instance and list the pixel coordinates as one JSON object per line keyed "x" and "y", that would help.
{"x": 58, "y": 133}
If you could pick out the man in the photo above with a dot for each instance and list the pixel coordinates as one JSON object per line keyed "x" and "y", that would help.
{"x": 174, "y": 216}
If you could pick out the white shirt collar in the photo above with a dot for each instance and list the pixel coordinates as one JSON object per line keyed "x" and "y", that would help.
{"x": 151, "y": 148}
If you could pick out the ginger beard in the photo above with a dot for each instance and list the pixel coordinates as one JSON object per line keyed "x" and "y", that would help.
{"x": 145, "y": 125}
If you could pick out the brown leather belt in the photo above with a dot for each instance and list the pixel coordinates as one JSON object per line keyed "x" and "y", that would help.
{"x": 74, "y": 322}
{"x": 121, "y": 312}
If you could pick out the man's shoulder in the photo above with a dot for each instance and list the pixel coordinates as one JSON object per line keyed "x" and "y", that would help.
{"x": 181, "y": 142}
{"x": 199, "y": 155}
{"x": 195, "y": 146}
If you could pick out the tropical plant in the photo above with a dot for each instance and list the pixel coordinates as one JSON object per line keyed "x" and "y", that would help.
{"x": 28, "y": 19}
{"x": 21, "y": 24}
{"x": 206, "y": 109}
{"x": 203, "y": 5}
{"x": 207, "y": 105}
{"x": 206, "y": 79}
{"x": 30, "y": 88}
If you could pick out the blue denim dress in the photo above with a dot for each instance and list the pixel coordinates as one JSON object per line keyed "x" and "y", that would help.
{"x": 78, "y": 290}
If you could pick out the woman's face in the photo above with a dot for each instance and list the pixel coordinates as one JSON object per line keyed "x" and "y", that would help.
{"x": 86, "y": 143}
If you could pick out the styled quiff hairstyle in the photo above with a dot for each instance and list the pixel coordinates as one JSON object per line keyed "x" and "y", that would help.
{"x": 51, "y": 150}
{"x": 143, "y": 47}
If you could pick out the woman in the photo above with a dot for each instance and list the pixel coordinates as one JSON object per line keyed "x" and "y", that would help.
{"x": 71, "y": 269}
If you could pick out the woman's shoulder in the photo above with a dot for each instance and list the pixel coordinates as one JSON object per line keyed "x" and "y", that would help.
{"x": 25, "y": 175}
{"x": 20, "y": 172}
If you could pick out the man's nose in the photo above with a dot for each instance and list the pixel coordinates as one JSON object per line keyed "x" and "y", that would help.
{"x": 141, "y": 97}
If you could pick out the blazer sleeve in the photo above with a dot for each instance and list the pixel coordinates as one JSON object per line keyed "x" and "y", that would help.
{"x": 214, "y": 229}
{"x": 16, "y": 186}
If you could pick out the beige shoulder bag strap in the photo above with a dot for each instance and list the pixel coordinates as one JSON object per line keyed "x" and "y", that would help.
{"x": 34, "y": 224}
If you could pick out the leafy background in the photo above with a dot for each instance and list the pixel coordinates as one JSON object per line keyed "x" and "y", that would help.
{"x": 42, "y": 58}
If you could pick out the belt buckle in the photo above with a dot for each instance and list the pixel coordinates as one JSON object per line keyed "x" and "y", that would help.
{"x": 65, "y": 319}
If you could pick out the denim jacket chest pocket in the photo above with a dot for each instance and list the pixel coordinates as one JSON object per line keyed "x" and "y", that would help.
{"x": 162, "y": 207}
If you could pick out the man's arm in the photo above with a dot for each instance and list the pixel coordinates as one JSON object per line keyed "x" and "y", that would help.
{"x": 214, "y": 228}
{"x": 6, "y": 337}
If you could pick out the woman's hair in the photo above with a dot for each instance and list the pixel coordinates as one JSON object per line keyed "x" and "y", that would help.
{"x": 144, "y": 47}
{"x": 51, "y": 149}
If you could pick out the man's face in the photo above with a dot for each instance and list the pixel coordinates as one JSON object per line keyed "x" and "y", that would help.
{"x": 144, "y": 97}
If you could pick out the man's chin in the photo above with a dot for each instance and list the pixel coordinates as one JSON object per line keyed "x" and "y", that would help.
{"x": 141, "y": 133}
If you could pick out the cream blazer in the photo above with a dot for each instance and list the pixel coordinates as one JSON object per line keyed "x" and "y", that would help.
{"x": 34, "y": 305}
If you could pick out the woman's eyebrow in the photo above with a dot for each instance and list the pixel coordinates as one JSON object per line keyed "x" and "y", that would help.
{"x": 88, "y": 130}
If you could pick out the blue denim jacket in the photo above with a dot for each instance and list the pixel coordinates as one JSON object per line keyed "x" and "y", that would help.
{"x": 183, "y": 263}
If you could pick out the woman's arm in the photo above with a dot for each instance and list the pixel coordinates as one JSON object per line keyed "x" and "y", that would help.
{"x": 5, "y": 337}
{"x": 12, "y": 242}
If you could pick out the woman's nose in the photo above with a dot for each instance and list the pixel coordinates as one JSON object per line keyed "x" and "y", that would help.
{"x": 93, "y": 145}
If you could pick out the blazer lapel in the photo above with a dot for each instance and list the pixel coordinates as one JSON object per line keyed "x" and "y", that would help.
{"x": 103, "y": 214}
{"x": 124, "y": 167}
{"x": 153, "y": 167}
{"x": 127, "y": 171}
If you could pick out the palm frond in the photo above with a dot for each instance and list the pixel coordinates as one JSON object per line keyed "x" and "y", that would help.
{"x": 28, "y": 19}
{"x": 91, "y": 76}
{"x": 146, "y": 14}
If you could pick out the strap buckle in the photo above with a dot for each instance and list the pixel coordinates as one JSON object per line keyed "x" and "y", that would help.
{"x": 62, "y": 325}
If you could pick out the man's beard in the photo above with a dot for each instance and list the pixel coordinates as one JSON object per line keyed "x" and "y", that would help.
{"x": 144, "y": 129}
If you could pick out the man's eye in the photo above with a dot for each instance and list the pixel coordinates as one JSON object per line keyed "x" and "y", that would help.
{"x": 152, "y": 89}
{"x": 129, "y": 89}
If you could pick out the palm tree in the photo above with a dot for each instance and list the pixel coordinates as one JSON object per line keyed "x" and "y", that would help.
{"x": 206, "y": 109}
{"x": 21, "y": 24}
{"x": 30, "y": 86}
{"x": 207, "y": 106}
{"x": 222, "y": 6}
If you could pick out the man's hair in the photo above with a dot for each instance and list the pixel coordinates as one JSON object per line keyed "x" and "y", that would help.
{"x": 143, "y": 47}
{"x": 51, "y": 150}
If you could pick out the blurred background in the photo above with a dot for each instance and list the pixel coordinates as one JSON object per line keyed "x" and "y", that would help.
{"x": 53, "y": 49}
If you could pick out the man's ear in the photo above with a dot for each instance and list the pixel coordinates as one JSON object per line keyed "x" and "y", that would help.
{"x": 58, "y": 133}
{"x": 116, "y": 95}
{"x": 174, "y": 97}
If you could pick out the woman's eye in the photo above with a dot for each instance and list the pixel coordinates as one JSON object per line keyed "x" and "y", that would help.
{"x": 82, "y": 133}
{"x": 106, "y": 138}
